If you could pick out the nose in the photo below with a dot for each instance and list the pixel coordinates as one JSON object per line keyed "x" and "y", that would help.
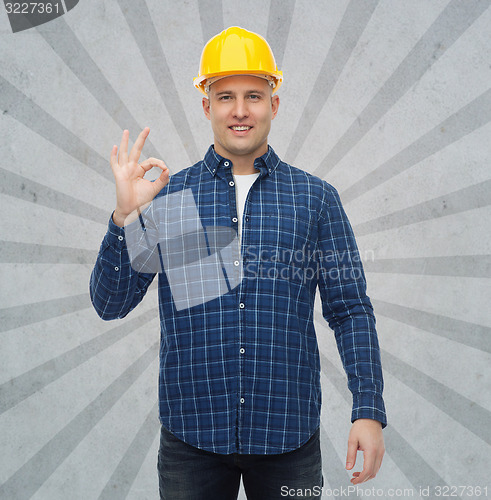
{"x": 241, "y": 109}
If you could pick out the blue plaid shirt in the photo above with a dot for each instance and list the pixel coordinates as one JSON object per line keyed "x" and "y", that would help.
{"x": 240, "y": 373}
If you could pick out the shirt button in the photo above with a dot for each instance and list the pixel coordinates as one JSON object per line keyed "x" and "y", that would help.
{"x": 242, "y": 350}
{"x": 116, "y": 268}
{"x": 120, "y": 238}
{"x": 236, "y": 262}
{"x": 231, "y": 183}
{"x": 226, "y": 163}
{"x": 242, "y": 305}
{"x": 234, "y": 219}
{"x": 242, "y": 400}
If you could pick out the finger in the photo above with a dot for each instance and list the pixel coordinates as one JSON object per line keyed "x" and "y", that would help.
{"x": 123, "y": 148}
{"x": 153, "y": 162}
{"x": 368, "y": 468}
{"x": 351, "y": 455}
{"x": 113, "y": 159}
{"x": 138, "y": 146}
{"x": 161, "y": 181}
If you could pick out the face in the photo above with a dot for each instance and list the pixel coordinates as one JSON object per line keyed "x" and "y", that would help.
{"x": 240, "y": 109}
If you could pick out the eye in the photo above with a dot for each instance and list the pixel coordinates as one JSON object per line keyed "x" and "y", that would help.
{"x": 254, "y": 97}
{"x": 224, "y": 98}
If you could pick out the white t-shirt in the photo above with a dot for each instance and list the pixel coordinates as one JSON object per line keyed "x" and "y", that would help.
{"x": 242, "y": 185}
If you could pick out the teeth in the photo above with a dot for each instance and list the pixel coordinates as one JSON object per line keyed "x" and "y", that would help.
{"x": 243, "y": 127}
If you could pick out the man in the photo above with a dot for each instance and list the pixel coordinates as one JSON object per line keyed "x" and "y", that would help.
{"x": 239, "y": 366}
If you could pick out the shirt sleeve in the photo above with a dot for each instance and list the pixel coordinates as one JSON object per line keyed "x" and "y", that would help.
{"x": 115, "y": 287}
{"x": 348, "y": 310}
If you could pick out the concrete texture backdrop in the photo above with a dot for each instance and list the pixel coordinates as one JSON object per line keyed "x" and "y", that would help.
{"x": 387, "y": 100}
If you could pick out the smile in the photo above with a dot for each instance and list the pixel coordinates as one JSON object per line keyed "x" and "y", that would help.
{"x": 240, "y": 128}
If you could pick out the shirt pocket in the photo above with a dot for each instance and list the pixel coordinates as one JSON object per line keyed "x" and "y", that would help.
{"x": 287, "y": 235}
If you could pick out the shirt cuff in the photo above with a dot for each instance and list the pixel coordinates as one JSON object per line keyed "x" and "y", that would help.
{"x": 369, "y": 406}
{"x": 115, "y": 235}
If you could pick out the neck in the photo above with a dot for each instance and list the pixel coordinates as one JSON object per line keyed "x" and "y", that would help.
{"x": 243, "y": 167}
{"x": 242, "y": 164}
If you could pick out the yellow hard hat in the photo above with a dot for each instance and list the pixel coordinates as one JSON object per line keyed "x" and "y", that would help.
{"x": 236, "y": 51}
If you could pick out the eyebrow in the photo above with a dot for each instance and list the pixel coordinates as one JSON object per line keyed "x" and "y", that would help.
{"x": 230, "y": 92}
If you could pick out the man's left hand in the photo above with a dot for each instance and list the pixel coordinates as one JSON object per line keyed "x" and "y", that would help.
{"x": 365, "y": 435}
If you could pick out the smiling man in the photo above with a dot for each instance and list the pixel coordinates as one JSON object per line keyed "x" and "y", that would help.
{"x": 240, "y": 109}
{"x": 239, "y": 383}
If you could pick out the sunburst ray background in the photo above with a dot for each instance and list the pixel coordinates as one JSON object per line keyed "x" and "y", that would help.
{"x": 387, "y": 100}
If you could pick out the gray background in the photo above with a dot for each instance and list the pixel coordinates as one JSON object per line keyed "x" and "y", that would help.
{"x": 387, "y": 100}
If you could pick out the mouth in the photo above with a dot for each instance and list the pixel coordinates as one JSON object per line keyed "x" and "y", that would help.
{"x": 240, "y": 128}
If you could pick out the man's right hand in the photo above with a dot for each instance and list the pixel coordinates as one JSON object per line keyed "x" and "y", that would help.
{"x": 133, "y": 192}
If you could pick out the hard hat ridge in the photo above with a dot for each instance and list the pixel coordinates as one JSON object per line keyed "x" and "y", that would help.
{"x": 236, "y": 51}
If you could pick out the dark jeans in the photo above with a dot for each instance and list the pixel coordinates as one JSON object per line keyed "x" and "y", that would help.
{"x": 188, "y": 473}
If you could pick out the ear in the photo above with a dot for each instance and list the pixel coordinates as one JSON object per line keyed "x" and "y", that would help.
{"x": 206, "y": 107}
{"x": 275, "y": 103}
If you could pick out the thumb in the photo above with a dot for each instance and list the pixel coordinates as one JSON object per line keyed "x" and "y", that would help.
{"x": 351, "y": 456}
{"x": 162, "y": 180}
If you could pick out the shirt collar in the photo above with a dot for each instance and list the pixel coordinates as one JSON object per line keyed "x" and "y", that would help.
{"x": 266, "y": 164}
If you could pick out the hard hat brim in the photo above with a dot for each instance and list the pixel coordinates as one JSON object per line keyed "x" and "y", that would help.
{"x": 200, "y": 81}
